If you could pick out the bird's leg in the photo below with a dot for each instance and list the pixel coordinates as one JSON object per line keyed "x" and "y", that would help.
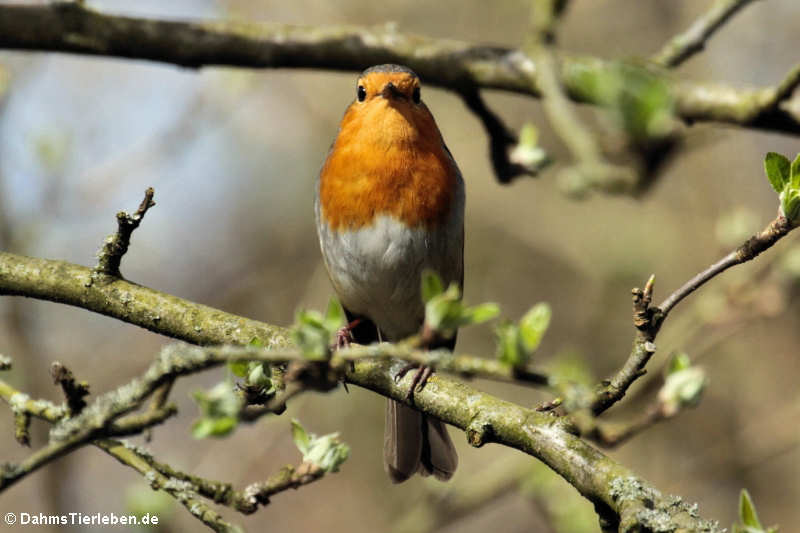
{"x": 344, "y": 336}
{"x": 418, "y": 381}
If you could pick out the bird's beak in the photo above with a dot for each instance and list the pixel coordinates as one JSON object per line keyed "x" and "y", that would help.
{"x": 390, "y": 91}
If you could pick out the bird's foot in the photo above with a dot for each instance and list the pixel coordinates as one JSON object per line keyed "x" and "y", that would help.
{"x": 344, "y": 336}
{"x": 419, "y": 380}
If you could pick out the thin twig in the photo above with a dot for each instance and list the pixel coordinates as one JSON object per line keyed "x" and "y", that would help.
{"x": 245, "y": 501}
{"x": 648, "y": 320}
{"x": 181, "y": 491}
{"x": 591, "y": 170}
{"x": 74, "y": 391}
{"x": 693, "y": 40}
{"x": 613, "y": 434}
{"x": 115, "y": 246}
{"x": 750, "y": 249}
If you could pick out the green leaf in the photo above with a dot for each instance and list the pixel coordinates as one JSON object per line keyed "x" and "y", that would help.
{"x": 257, "y": 376}
{"x": 679, "y": 361}
{"x": 509, "y": 349}
{"x": 479, "y": 314}
{"x": 300, "y": 437}
{"x": 445, "y": 312}
{"x": 533, "y": 326}
{"x": 794, "y": 173}
{"x": 213, "y": 427}
{"x": 641, "y": 100}
{"x": 528, "y": 135}
{"x": 431, "y": 285}
{"x": 777, "y": 169}
{"x": 219, "y": 407}
{"x": 327, "y": 452}
{"x": 790, "y": 203}
{"x": 747, "y": 511}
{"x": 239, "y": 368}
{"x": 311, "y": 336}
{"x": 334, "y": 316}
{"x": 682, "y": 389}
{"x": 256, "y": 342}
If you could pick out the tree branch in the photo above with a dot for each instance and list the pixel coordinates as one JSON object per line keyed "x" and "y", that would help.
{"x": 455, "y": 65}
{"x": 749, "y": 250}
{"x": 613, "y": 488}
{"x": 181, "y": 491}
{"x": 648, "y": 320}
{"x": 74, "y": 391}
{"x": 115, "y": 246}
{"x": 501, "y": 141}
{"x": 70, "y": 284}
{"x": 693, "y": 40}
{"x": 591, "y": 169}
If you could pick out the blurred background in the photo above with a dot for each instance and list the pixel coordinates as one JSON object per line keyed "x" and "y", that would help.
{"x": 233, "y": 155}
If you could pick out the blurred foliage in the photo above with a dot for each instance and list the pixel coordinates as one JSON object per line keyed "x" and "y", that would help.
{"x": 219, "y": 408}
{"x": 140, "y": 500}
{"x": 683, "y": 385}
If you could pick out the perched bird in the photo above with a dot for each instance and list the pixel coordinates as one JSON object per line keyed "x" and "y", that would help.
{"x": 390, "y": 204}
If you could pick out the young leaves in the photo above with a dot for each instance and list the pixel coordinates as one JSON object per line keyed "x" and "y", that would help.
{"x": 517, "y": 342}
{"x": 327, "y": 452}
{"x": 785, "y": 179}
{"x": 748, "y": 518}
{"x": 528, "y": 152}
{"x": 444, "y": 310}
{"x": 777, "y": 168}
{"x": 257, "y": 375}
{"x": 312, "y": 331}
{"x": 220, "y": 409}
{"x": 683, "y": 385}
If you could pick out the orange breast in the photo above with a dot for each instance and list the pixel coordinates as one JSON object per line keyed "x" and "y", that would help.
{"x": 387, "y": 160}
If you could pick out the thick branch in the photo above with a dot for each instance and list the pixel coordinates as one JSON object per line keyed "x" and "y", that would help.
{"x": 612, "y": 487}
{"x": 168, "y": 315}
{"x": 456, "y": 65}
{"x": 693, "y": 40}
{"x": 486, "y": 419}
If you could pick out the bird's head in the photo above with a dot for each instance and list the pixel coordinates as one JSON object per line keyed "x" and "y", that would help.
{"x": 388, "y": 105}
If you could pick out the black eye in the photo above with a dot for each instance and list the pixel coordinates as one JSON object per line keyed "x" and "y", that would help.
{"x": 361, "y": 93}
{"x": 415, "y": 95}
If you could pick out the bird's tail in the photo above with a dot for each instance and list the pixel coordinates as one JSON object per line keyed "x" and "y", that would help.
{"x": 416, "y": 443}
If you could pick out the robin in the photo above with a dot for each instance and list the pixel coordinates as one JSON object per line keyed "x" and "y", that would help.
{"x": 390, "y": 204}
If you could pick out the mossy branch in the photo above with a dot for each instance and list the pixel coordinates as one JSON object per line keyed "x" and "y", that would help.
{"x": 456, "y": 65}
{"x": 483, "y": 417}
